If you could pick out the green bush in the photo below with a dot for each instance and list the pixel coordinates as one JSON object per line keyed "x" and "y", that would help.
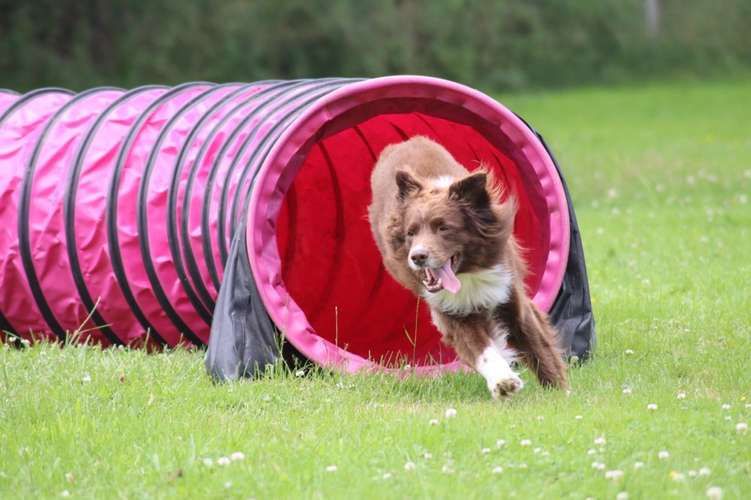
{"x": 491, "y": 44}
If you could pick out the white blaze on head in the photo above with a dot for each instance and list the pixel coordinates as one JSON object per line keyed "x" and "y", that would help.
{"x": 419, "y": 248}
{"x": 443, "y": 181}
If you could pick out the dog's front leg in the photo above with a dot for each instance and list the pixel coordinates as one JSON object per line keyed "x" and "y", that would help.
{"x": 470, "y": 339}
{"x": 495, "y": 368}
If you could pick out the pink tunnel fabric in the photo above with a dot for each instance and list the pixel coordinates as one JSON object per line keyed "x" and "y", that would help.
{"x": 118, "y": 209}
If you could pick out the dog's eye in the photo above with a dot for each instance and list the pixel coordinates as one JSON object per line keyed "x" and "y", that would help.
{"x": 443, "y": 228}
{"x": 411, "y": 232}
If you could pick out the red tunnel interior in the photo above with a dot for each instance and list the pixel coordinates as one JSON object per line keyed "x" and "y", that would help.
{"x": 330, "y": 264}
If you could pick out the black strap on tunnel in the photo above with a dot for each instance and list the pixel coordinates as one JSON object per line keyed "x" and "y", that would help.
{"x": 112, "y": 233}
{"x": 4, "y": 323}
{"x": 69, "y": 214}
{"x": 24, "y": 202}
{"x": 572, "y": 310}
{"x": 571, "y": 313}
{"x": 311, "y": 94}
{"x": 180, "y": 242}
{"x": 244, "y": 340}
{"x": 268, "y": 94}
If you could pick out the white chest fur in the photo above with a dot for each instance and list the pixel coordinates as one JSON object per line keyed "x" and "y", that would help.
{"x": 480, "y": 290}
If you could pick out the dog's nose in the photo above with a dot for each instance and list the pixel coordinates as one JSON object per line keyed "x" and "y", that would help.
{"x": 419, "y": 258}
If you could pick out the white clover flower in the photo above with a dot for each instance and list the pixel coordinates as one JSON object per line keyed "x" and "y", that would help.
{"x": 70, "y": 477}
{"x": 525, "y": 442}
{"x": 386, "y": 476}
{"x": 433, "y": 421}
{"x": 725, "y": 406}
{"x": 427, "y": 455}
{"x": 497, "y": 469}
{"x": 714, "y": 493}
{"x": 208, "y": 462}
{"x": 692, "y": 473}
{"x": 409, "y": 466}
{"x": 331, "y": 468}
{"x": 627, "y": 390}
{"x": 223, "y": 461}
{"x": 500, "y": 443}
{"x": 598, "y": 465}
{"x": 591, "y": 451}
{"x": 450, "y": 413}
{"x": 704, "y": 471}
{"x": 578, "y": 417}
{"x": 86, "y": 378}
{"x": 65, "y": 493}
{"x": 447, "y": 469}
{"x": 537, "y": 450}
{"x": 600, "y": 440}
{"x": 485, "y": 451}
{"x": 681, "y": 395}
{"x": 629, "y": 352}
{"x": 540, "y": 418}
{"x": 238, "y": 455}
{"x": 651, "y": 407}
{"x": 748, "y": 405}
{"x": 614, "y": 475}
{"x": 228, "y": 484}
{"x": 663, "y": 455}
{"x": 623, "y": 495}
{"x": 741, "y": 427}
{"x": 677, "y": 476}
{"x": 638, "y": 465}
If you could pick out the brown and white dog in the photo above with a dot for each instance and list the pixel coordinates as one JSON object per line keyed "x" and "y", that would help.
{"x": 445, "y": 235}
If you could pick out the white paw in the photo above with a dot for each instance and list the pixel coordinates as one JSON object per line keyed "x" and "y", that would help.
{"x": 505, "y": 387}
{"x": 501, "y": 379}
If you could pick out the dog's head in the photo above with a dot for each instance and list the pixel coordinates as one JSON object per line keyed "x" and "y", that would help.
{"x": 452, "y": 225}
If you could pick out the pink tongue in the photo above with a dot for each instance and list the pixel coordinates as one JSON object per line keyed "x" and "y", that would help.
{"x": 448, "y": 279}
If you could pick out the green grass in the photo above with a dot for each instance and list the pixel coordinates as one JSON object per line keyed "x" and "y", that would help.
{"x": 661, "y": 178}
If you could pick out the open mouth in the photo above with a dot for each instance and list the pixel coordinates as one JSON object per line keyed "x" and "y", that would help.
{"x": 442, "y": 278}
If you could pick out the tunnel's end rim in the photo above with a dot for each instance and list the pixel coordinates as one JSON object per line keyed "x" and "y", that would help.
{"x": 288, "y": 154}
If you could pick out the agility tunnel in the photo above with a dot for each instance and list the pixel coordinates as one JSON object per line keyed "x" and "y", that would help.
{"x": 235, "y": 215}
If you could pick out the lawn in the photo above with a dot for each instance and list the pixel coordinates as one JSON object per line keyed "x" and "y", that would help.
{"x": 661, "y": 180}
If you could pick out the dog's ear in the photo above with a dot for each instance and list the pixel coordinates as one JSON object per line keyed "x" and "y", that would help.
{"x": 472, "y": 189}
{"x": 407, "y": 184}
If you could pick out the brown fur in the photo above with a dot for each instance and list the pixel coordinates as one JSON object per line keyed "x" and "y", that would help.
{"x": 467, "y": 219}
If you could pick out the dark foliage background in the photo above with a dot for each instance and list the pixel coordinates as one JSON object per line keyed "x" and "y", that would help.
{"x": 489, "y": 44}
